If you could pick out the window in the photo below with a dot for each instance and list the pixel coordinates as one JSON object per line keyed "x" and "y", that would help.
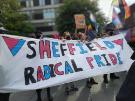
{"x": 36, "y": 2}
{"x": 45, "y": 28}
{"x": 23, "y": 3}
{"x": 41, "y": 2}
{"x": 29, "y": 15}
{"x": 49, "y": 13}
{"x": 38, "y": 16}
{"x": 47, "y": 2}
{"x": 61, "y": 1}
{"x": 57, "y": 1}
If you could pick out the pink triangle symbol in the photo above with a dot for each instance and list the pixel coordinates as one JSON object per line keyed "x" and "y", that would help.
{"x": 11, "y": 42}
{"x": 119, "y": 42}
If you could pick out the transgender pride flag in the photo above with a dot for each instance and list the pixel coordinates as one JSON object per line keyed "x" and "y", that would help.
{"x": 115, "y": 19}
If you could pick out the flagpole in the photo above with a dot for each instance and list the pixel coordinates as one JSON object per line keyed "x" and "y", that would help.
{"x": 85, "y": 29}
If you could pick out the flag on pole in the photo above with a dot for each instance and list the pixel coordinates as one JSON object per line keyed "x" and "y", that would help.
{"x": 92, "y": 18}
{"x": 127, "y": 9}
{"x": 92, "y": 27}
{"x": 90, "y": 24}
{"x": 115, "y": 3}
{"x": 124, "y": 8}
{"x": 89, "y": 27}
{"x": 94, "y": 22}
{"x": 115, "y": 19}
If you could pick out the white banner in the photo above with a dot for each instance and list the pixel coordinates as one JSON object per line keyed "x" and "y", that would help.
{"x": 27, "y": 63}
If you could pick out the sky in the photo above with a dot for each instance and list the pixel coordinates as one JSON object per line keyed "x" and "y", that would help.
{"x": 106, "y": 8}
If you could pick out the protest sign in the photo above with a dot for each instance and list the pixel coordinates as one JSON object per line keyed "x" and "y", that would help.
{"x": 80, "y": 21}
{"x": 28, "y": 64}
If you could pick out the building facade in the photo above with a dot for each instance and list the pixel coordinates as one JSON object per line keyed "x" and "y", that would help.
{"x": 41, "y": 13}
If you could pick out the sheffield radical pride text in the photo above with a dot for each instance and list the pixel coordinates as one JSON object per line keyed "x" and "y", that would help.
{"x": 49, "y": 49}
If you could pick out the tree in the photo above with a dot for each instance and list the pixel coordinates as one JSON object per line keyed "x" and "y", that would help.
{"x": 11, "y": 19}
{"x": 65, "y": 19}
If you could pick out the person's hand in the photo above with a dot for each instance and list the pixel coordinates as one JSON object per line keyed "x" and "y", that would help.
{"x": 79, "y": 41}
{"x": 41, "y": 37}
{"x": 63, "y": 40}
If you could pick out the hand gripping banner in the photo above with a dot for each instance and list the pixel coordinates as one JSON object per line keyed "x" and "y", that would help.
{"x": 28, "y": 64}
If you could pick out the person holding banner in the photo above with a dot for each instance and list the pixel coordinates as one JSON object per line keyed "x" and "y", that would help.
{"x": 91, "y": 30}
{"x": 112, "y": 75}
{"x": 39, "y": 35}
{"x": 4, "y": 96}
{"x": 90, "y": 81}
{"x": 67, "y": 36}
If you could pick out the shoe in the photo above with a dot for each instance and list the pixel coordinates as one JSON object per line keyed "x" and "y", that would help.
{"x": 50, "y": 99}
{"x": 113, "y": 77}
{"x": 93, "y": 82}
{"x": 88, "y": 84}
{"x": 39, "y": 99}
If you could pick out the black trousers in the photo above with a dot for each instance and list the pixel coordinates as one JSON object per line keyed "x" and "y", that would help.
{"x": 4, "y": 96}
{"x": 48, "y": 94}
{"x": 111, "y": 75}
{"x": 127, "y": 90}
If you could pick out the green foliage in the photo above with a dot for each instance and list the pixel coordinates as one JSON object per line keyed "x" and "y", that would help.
{"x": 65, "y": 19}
{"x": 11, "y": 19}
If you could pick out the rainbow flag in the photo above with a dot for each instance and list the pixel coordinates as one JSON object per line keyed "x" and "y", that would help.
{"x": 124, "y": 8}
{"x": 91, "y": 26}
{"x": 127, "y": 9}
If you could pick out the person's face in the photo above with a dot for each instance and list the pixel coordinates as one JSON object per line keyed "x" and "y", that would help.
{"x": 32, "y": 35}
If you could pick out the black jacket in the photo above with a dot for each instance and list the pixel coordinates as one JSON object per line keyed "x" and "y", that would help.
{"x": 127, "y": 90}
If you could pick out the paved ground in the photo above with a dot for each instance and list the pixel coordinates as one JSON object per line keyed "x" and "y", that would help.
{"x": 100, "y": 92}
